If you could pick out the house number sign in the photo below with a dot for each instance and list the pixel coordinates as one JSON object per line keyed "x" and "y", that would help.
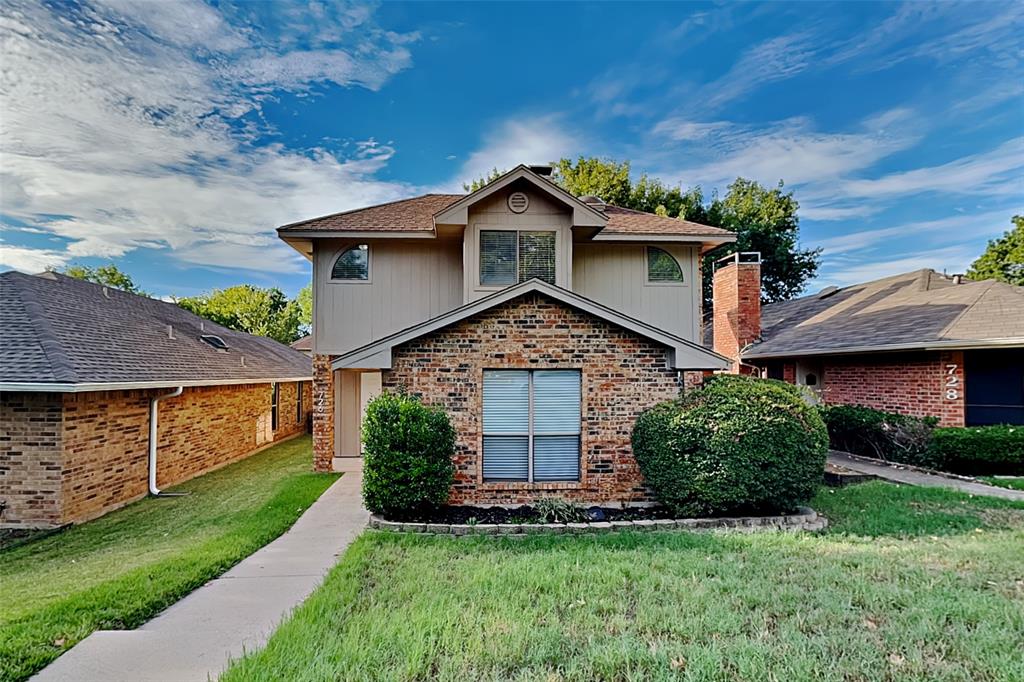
{"x": 952, "y": 383}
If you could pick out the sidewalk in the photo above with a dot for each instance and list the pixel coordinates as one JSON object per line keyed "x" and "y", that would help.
{"x": 900, "y": 475}
{"x": 193, "y": 639}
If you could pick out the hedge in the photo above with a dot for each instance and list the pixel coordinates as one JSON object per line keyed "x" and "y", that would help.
{"x": 979, "y": 450}
{"x": 736, "y": 445}
{"x": 407, "y": 461}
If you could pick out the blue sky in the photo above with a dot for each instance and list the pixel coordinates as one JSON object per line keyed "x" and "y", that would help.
{"x": 173, "y": 137}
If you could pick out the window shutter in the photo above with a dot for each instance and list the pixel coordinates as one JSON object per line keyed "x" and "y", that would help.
{"x": 537, "y": 256}
{"x": 497, "y": 257}
{"x": 506, "y": 422}
{"x": 556, "y": 425}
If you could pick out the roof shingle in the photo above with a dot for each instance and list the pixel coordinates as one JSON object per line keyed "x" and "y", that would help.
{"x": 57, "y": 329}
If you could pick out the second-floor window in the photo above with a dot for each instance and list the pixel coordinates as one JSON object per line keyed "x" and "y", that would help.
{"x": 353, "y": 264}
{"x": 662, "y": 267}
{"x": 510, "y": 256}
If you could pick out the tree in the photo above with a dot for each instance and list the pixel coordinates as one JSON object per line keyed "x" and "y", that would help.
{"x": 606, "y": 179}
{"x": 764, "y": 220}
{"x": 480, "y": 182}
{"x": 250, "y": 309}
{"x": 304, "y": 299}
{"x": 107, "y": 275}
{"x": 1003, "y": 258}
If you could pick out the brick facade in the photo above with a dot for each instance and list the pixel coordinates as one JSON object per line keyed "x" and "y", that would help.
{"x": 622, "y": 374}
{"x": 323, "y": 413}
{"x": 96, "y": 444}
{"x": 737, "y": 312}
{"x": 915, "y": 384}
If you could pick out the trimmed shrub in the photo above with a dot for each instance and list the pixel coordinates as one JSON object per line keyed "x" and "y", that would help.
{"x": 737, "y": 445}
{"x": 979, "y": 450}
{"x": 883, "y": 435}
{"x": 407, "y": 463}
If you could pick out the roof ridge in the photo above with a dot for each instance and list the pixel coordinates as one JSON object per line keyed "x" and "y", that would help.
{"x": 60, "y": 364}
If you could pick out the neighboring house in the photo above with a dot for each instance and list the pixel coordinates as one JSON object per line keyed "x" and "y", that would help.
{"x": 88, "y": 373}
{"x": 541, "y": 322}
{"x": 304, "y": 345}
{"x": 919, "y": 343}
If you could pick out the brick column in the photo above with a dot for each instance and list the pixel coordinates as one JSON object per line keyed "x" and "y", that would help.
{"x": 953, "y": 388}
{"x": 736, "y": 289}
{"x": 323, "y": 413}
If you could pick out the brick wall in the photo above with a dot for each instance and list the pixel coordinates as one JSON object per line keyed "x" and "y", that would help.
{"x": 323, "y": 413}
{"x": 907, "y": 383}
{"x": 103, "y": 438}
{"x": 622, "y": 374}
{"x": 30, "y": 459}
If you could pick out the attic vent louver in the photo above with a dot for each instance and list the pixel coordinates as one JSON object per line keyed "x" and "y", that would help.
{"x": 214, "y": 341}
{"x": 518, "y": 202}
{"x": 827, "y": 291}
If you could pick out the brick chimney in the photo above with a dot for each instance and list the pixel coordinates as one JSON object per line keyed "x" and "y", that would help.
{"x": 736, "y": 289}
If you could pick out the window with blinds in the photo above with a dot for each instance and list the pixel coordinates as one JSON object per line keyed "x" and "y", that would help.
{"x": 508, "y": 257}
{"x": 662, "y": 267}
{"x": 531, "y": 421}
{"x": 353, "y": 263}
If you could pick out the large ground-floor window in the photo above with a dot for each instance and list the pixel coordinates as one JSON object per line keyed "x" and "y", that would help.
{"x": 531, "y": 421}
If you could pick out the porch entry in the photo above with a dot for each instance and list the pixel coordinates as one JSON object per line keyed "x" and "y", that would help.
{"x": 353, "y": 391}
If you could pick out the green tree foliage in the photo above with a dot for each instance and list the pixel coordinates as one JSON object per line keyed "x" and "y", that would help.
{"x": 1003, "y": 258}
{"x": 250, "y": 309}
{"x": 304, "y": 299}
{"x": 480, "y": 182}
{"x": 108, "y": 275}
{"x": 606, "y": 179}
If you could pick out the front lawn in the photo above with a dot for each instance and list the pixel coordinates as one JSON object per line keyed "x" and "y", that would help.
{"x": 120, "y": 570}
{"x": 908, "y": 584}
{"x": 1011, "y": 482}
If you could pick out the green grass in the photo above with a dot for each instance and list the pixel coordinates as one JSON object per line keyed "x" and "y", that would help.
{"x": 908, "y": 584}
{"x": 1011, "y": 482}
{"x": 121, "y": 569}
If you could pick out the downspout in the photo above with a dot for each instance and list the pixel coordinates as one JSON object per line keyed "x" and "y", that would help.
{"x": 153, "y": 407}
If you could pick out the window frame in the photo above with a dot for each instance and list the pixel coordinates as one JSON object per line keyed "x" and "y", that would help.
{"x": 341, "y": 252}
{"x": 275, "y": 405}
{"x": 298, "y": 401}
{"x": 681, "y": 282}
{"x": 516, "y": 230}
{"x": 530, "y": 434}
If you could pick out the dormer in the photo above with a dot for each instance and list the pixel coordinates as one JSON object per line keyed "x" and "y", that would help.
{"x": 518, "y": 227}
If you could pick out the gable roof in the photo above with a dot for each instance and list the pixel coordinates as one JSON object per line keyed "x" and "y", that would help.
{"x": 377, "y": 354}
{"x": 58, "y": 333}
{"x": 913, "y": 310}
{"x": 418, "y": 214}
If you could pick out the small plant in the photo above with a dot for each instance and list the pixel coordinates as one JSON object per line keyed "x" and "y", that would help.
{"x": 555, "y": 510}
{"x": 407, "y": 464}
{"x": 883, "y": 435}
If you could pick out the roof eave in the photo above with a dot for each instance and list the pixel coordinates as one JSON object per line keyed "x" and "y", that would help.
{"x": 956, "y": 344}
{"x": 43, "y": 387}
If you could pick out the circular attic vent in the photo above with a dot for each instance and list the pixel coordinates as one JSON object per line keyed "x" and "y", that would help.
{"x": 518, "y": 202}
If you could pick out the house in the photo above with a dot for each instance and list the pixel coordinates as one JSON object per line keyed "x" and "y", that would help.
{"x": 920, "y": 343}
{"x": 106, "y": 396}
{"x": 303, "y": 345}
{"x": 541, "y": 322}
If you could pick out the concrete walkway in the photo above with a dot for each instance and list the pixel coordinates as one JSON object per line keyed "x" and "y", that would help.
{"x": 193, "y": 640}
{"x": 899, "y": 474}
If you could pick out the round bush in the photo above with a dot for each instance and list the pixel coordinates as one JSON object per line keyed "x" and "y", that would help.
{"x": 736, "y": 445}
{"x": 407, "y": 461}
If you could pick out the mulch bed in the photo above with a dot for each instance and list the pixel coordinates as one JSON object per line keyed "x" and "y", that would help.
{"x": 527, "y": 514}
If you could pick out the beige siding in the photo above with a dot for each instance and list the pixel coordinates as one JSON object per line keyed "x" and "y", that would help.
{"x": 615, "y": 274}
{"x": 410, "y": 281}
{"x": 493, "y": 213}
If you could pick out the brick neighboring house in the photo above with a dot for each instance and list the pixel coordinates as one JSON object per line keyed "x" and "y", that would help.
{"x": 85, "y": 368}
{"x": 541, "y": 322}
{"x": 918, "y": 343}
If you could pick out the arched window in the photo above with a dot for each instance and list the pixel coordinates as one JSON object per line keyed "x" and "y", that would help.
{"x": 353, "y": 264}
{"x": 662, "y": 267}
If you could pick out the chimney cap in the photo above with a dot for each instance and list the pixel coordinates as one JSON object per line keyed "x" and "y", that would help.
{"x": 593, "y": 200}
{"x": 740, "y": 258}
{"x": 543, "y": 169}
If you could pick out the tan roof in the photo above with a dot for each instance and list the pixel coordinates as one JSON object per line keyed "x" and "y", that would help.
{"x": 915, "y": 309}
{"x": 417, "y": 214}
{"x": 303, "y": 344}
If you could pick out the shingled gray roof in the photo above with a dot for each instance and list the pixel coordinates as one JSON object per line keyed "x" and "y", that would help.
{"x": 62, "y": 331}
{"x": 915, "y": 309}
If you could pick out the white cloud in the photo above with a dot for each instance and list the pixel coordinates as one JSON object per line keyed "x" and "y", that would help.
{"x": 950, "y": 258}
{"x": 30, "y": 260}
{"x": 526, "y": 140}
{"x": 123, "y": 129}
{"x": 952, "y": 228}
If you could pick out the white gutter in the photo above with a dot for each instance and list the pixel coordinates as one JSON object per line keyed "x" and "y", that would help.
{"x": 153, "y": 409}
{"x": 43, "y": 387}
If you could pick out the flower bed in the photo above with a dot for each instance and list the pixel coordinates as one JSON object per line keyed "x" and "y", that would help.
{"x": 643, "y": 519}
